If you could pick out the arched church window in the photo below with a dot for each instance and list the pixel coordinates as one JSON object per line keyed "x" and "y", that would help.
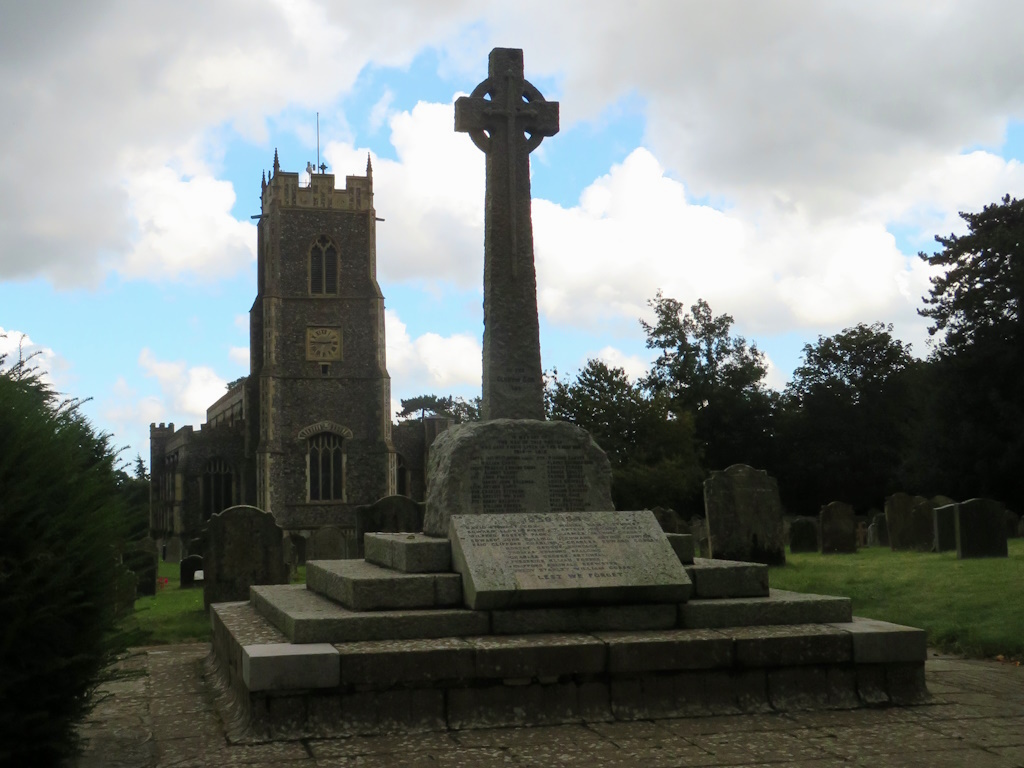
{"x": 217, "y": 487}
{"x": 325, "y": 466}
{"x": 323, "y": 267}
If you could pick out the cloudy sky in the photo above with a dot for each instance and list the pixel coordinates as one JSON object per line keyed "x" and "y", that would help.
{"x": 783, "y": 160}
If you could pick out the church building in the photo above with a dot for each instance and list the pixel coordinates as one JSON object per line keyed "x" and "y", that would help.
{"x": 307, "y": 435}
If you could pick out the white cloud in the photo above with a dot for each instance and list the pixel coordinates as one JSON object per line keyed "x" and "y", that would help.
{"x": 381, "y": 110}
{"x": 16, "y": 345}
{"x": 239, "y": 356}
{"x": 186, "y": 390}
{"x": 636, "y": 367}
{"x": 430, "y": 362}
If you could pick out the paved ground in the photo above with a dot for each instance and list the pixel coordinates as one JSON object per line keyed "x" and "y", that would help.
{"x": 165, "y": 717}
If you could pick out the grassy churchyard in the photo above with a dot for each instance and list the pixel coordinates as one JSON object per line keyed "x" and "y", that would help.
{"x": 970, "y": 607}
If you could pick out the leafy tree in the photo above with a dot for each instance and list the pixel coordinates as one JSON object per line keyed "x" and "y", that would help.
{"x": 62, "y": 518}
{"x": 716, "y": 378}
{"x": 236, "y": 383}
{"x": 652, "y": 453}
{"x": 972, "y": 440}
{"x": 457, "y": 408}
{"x": 844, "y": 423}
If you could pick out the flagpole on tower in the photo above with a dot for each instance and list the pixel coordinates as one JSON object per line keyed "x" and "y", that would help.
{"x": 318, "y": 140}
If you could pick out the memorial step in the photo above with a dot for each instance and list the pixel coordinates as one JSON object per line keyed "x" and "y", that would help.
{"x": 306, "y": 617}
{"x": 363, "y": 586}
{"x": 779, "y": 607}
{"x": 409, "y": 552}
{"x": 727, "y": 578}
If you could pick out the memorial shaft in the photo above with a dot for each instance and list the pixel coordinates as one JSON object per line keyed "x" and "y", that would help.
{"x": 507, "y": 126}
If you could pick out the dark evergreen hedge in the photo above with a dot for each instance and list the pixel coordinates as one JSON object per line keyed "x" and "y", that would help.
{"x": 60, "y": 524}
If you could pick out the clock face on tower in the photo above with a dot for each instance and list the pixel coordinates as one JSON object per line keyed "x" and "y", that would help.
{"x": 323, "y": 344}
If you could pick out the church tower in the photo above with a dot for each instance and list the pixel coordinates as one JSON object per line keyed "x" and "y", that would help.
{"x": 318, "y": 395}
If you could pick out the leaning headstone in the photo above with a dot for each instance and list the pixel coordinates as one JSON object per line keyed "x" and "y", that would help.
{"x": 980, "y": 529}
{"x": 509, "y": 466}
{"x": 803, "y": 535}
{"x": 881, "y": 529}
{"x": 141, "y": 557}
{"x": 329, "y": 543}
{"x": 838, "y": 533}
{"x": 243, "y": 548}
{"x": 744, "y": 516}
{"x": 187, "y": 569}
{"x": 910, "y": 522}
{"x": 945, "y": 528}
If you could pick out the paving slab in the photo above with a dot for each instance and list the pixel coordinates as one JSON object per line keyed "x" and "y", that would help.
{"x": 778, "y": 607}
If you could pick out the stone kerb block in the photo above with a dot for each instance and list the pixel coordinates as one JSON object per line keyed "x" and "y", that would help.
{"x": 529, "y": 559}
{"x": 945, "y": 528}
{"x": 744, "y": 516}
{"x": 910, "y": 522}
{"x": 838, "y": 528}
{"x": 284, "y": 666}
{"x": 803, "y": 535}
{"x": 980, "y": 529}
{"x": 243, "y": 547}
{"x": 509, "y": 466}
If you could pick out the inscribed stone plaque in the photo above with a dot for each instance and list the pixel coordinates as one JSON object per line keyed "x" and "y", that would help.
{"x": 514, "y": 465}
{"x": 511, "y": 560}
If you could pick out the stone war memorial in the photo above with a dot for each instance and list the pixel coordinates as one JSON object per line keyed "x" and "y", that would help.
{"x": 524, "y": 598}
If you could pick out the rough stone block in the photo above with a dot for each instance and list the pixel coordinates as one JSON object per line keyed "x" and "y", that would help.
{"x": 980, "y": 529}
{"x": 780, "y": 607}
{"x": 284, "y": 666}
{"x": 727, "y": 578}
{"x": 535, "y": 656}
{"x": 513, "y": 560}
{"x": 409, "y": 552}
{"x": 387, "y": 663}
{"x": 787, "y": 646}
{"x": 549, "y": 466}
{"x": 677, "y": 649}
{"x": 364, "y": 586}
{"x": 878, "y": 642}
{"x": 584, "y": 619}
{"x": 499, "y": 706}
{"x": 682, "y": 544}
{"x": 744, "y": 516}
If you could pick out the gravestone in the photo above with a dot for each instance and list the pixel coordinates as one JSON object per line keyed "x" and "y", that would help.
{"x": 671, "y": 521}
{"x": 910, "y": 522}
{"x": 187, "y": 569}
{"x": 881, "y": 529}
{"x": 141, "y": 557}
{"x": 329, "y": 543}
{"x": 699, "y": 532}
{"x": 744, "y": 516}
{"x": 945, "y": 528}
{"x": 803, "y": 535}
{"x": 510, "y": 466}
{"x": 872, "y": 535}
{"x": 125, "y": 592}
{"x": 243, "y": 547}
{"x": 1020, "y": 528}
{"x": 862, "y": 533}
{"x": 515, "y": 560}
{"x": 1012, "y": 521}
{"x": 838, "y": 531}
{"x": 980, "y": 529}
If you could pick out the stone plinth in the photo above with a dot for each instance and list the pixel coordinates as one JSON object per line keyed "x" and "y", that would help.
{"x": 515, "y": 560}
{"x": 512, "y": 466}
{"x": 744, "y": 515}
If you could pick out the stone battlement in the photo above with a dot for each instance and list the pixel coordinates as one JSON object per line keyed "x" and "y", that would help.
{"x": 284, "y": 189}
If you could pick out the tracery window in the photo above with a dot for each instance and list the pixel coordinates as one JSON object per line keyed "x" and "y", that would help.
{"x": 325, "y": 465}
{"x": 323, "y": 267}
{"x": 217, "y": 487}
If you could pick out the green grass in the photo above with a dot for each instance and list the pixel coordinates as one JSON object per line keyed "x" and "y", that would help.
{"x": 172, "y": 615}
{"x": 970, "y": 607}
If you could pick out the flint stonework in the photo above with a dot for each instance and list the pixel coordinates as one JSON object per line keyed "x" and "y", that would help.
{"x": 518, "y": 560}
{"x": 507, "y": 118}
{"x": 512, "y": 466}
{"x": 744, "y": 516}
